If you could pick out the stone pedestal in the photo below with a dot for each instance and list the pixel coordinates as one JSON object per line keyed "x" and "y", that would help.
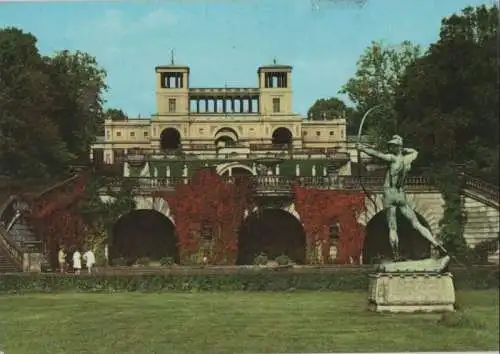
{"x": 411, "y": 292}
{"x": 32, "y": 262}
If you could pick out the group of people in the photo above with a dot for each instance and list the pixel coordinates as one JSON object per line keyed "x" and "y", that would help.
{"x": 88, "y": 257}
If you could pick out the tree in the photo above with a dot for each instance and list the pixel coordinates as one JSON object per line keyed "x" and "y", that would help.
{"x": 77, "y": 83}
{"x": 29, "y": 141}
{"x": 50, "y": 107}
{"x": 115, "y": 114}
{"x": 378, "y": 73}
{"x": 332, "y": 108}
{"x": 100, "y": 216}
{"x": 447, "y": 101}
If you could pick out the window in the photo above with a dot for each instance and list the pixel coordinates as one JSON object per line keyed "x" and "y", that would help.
{"x": 108, "y": 134}
{"x": 318, "y": 133}
{"x": 332, "y": 133}
{"x": 171, "y": 105}
{"x": 146, "y": 134}
{"x": 304, "y": 133}
{"x": 118, "y": 133}
{"x": 276, "y": 105}
{"x": 206, "y": 232}
{"x": 132, "y": 134}
{"x": 334, "y": 231}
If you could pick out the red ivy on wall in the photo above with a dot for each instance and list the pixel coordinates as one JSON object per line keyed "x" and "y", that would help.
{"x": 53, "y": 219}
{"x": 320, "y": 209}
{"x": 209, "y": 200}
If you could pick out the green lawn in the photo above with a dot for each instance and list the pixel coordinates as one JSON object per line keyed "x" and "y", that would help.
{"x": 235, "y": 323}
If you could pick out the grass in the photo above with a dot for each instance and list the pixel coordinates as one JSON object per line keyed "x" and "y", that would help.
{"x": 237, "y": 323}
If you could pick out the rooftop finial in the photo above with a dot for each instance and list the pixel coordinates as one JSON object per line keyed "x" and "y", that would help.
{"x": 172, "y": 57}
{"x": 274, "y": 61}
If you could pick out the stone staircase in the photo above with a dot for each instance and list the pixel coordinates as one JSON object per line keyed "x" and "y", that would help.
{"x": 22, "y": 233}
{"x": 7, "y": 265}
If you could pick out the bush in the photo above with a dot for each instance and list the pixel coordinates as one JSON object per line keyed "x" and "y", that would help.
{"x": 167, "y": 261}
{"x": 191, "y": 279}
{"x": 119, "y": 262}
{"x": 143, "y": 261}
{"x": 461, "y": 319}
{"x": 283, "y": 260}
{"x": 261, "y": 259}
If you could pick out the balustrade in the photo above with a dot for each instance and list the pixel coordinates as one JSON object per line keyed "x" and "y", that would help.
{"x": 483, "y": 188}
{"x": 374, "y": 183}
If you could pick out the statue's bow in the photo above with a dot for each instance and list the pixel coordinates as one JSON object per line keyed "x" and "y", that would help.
{"x": 359, "y": 156}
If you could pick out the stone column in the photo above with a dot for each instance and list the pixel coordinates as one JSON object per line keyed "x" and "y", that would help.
{"x": 297, "y": 170}
{"x": 185, "y": 173}
{"x": 313, "y": 172}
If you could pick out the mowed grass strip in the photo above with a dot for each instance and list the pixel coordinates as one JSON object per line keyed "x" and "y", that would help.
{"x": 236, "y": 323}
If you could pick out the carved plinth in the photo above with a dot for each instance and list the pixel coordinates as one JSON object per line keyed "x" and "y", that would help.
{"x": 411, "y": 292}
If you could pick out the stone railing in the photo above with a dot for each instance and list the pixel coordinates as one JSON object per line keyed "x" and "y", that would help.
{"x": 272, "y": 186}
{"x": 373, "y": 183}
{"x": 201, "y": 152}
{"x": 7, "y": 212}
{"x": 487, "y": 192}
{"x": 25, "y": 254}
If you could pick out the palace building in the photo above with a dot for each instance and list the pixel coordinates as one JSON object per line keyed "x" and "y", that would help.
{"x": 226, "y": 123}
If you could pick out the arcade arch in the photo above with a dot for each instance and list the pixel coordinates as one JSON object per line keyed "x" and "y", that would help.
{"x": 273, "y": 232}
{"x": 170, "y": 139}
{"x": 411, "y": 244}
{"x": 143, "y": 233}
{"x": 236, "y": 168}
{"x": 282, "y": 136}
{"x": 226, "y": 137}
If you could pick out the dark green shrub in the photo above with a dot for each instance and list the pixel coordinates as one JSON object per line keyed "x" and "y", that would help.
{"x": 119, "y": 262}
{"x": 261, "y": 259}
{"x": 167, "y": 261}
{"x": 143, "y": 261}
{"x": 461, "y": 319}
{"x": 236, "y": 279}
{"x": 283, "y": 260}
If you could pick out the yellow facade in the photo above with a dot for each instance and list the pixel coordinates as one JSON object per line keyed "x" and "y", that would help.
{"x": 198, "y": 120}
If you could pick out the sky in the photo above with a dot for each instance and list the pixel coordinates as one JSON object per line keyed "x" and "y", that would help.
{"x": 225, "y": 41}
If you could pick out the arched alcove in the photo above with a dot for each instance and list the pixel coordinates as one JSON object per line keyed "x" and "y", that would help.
{"x": 225, "y": 137}
{"x": 170, "y": 139}
{"x": 273, "y": 232}
{"x": 282, "y": 136}
{"x": 143, "y": 233}
{"x": 412, "y": 245}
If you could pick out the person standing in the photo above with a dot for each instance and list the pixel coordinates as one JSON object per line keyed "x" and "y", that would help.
{"x": 89, "y": 258}
{"x": 77, "y": 261}
{"x": 61, "y": 257}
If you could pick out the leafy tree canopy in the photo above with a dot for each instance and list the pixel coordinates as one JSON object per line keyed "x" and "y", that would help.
{"x": 378, "y": 73}
{"x": 447, "y": 100}
{"x": 50, "y": 107}
{"x": 100, "y": 216}
{"x": 115, "y": 114}
{"x": 332, "y": 108}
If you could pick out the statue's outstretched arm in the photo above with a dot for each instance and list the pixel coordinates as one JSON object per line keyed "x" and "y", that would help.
{"x": 377, "y": 154}
{"x": 410, "y": 154}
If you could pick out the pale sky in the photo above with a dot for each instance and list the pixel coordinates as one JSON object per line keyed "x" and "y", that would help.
{"x": 224, "y": 42}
